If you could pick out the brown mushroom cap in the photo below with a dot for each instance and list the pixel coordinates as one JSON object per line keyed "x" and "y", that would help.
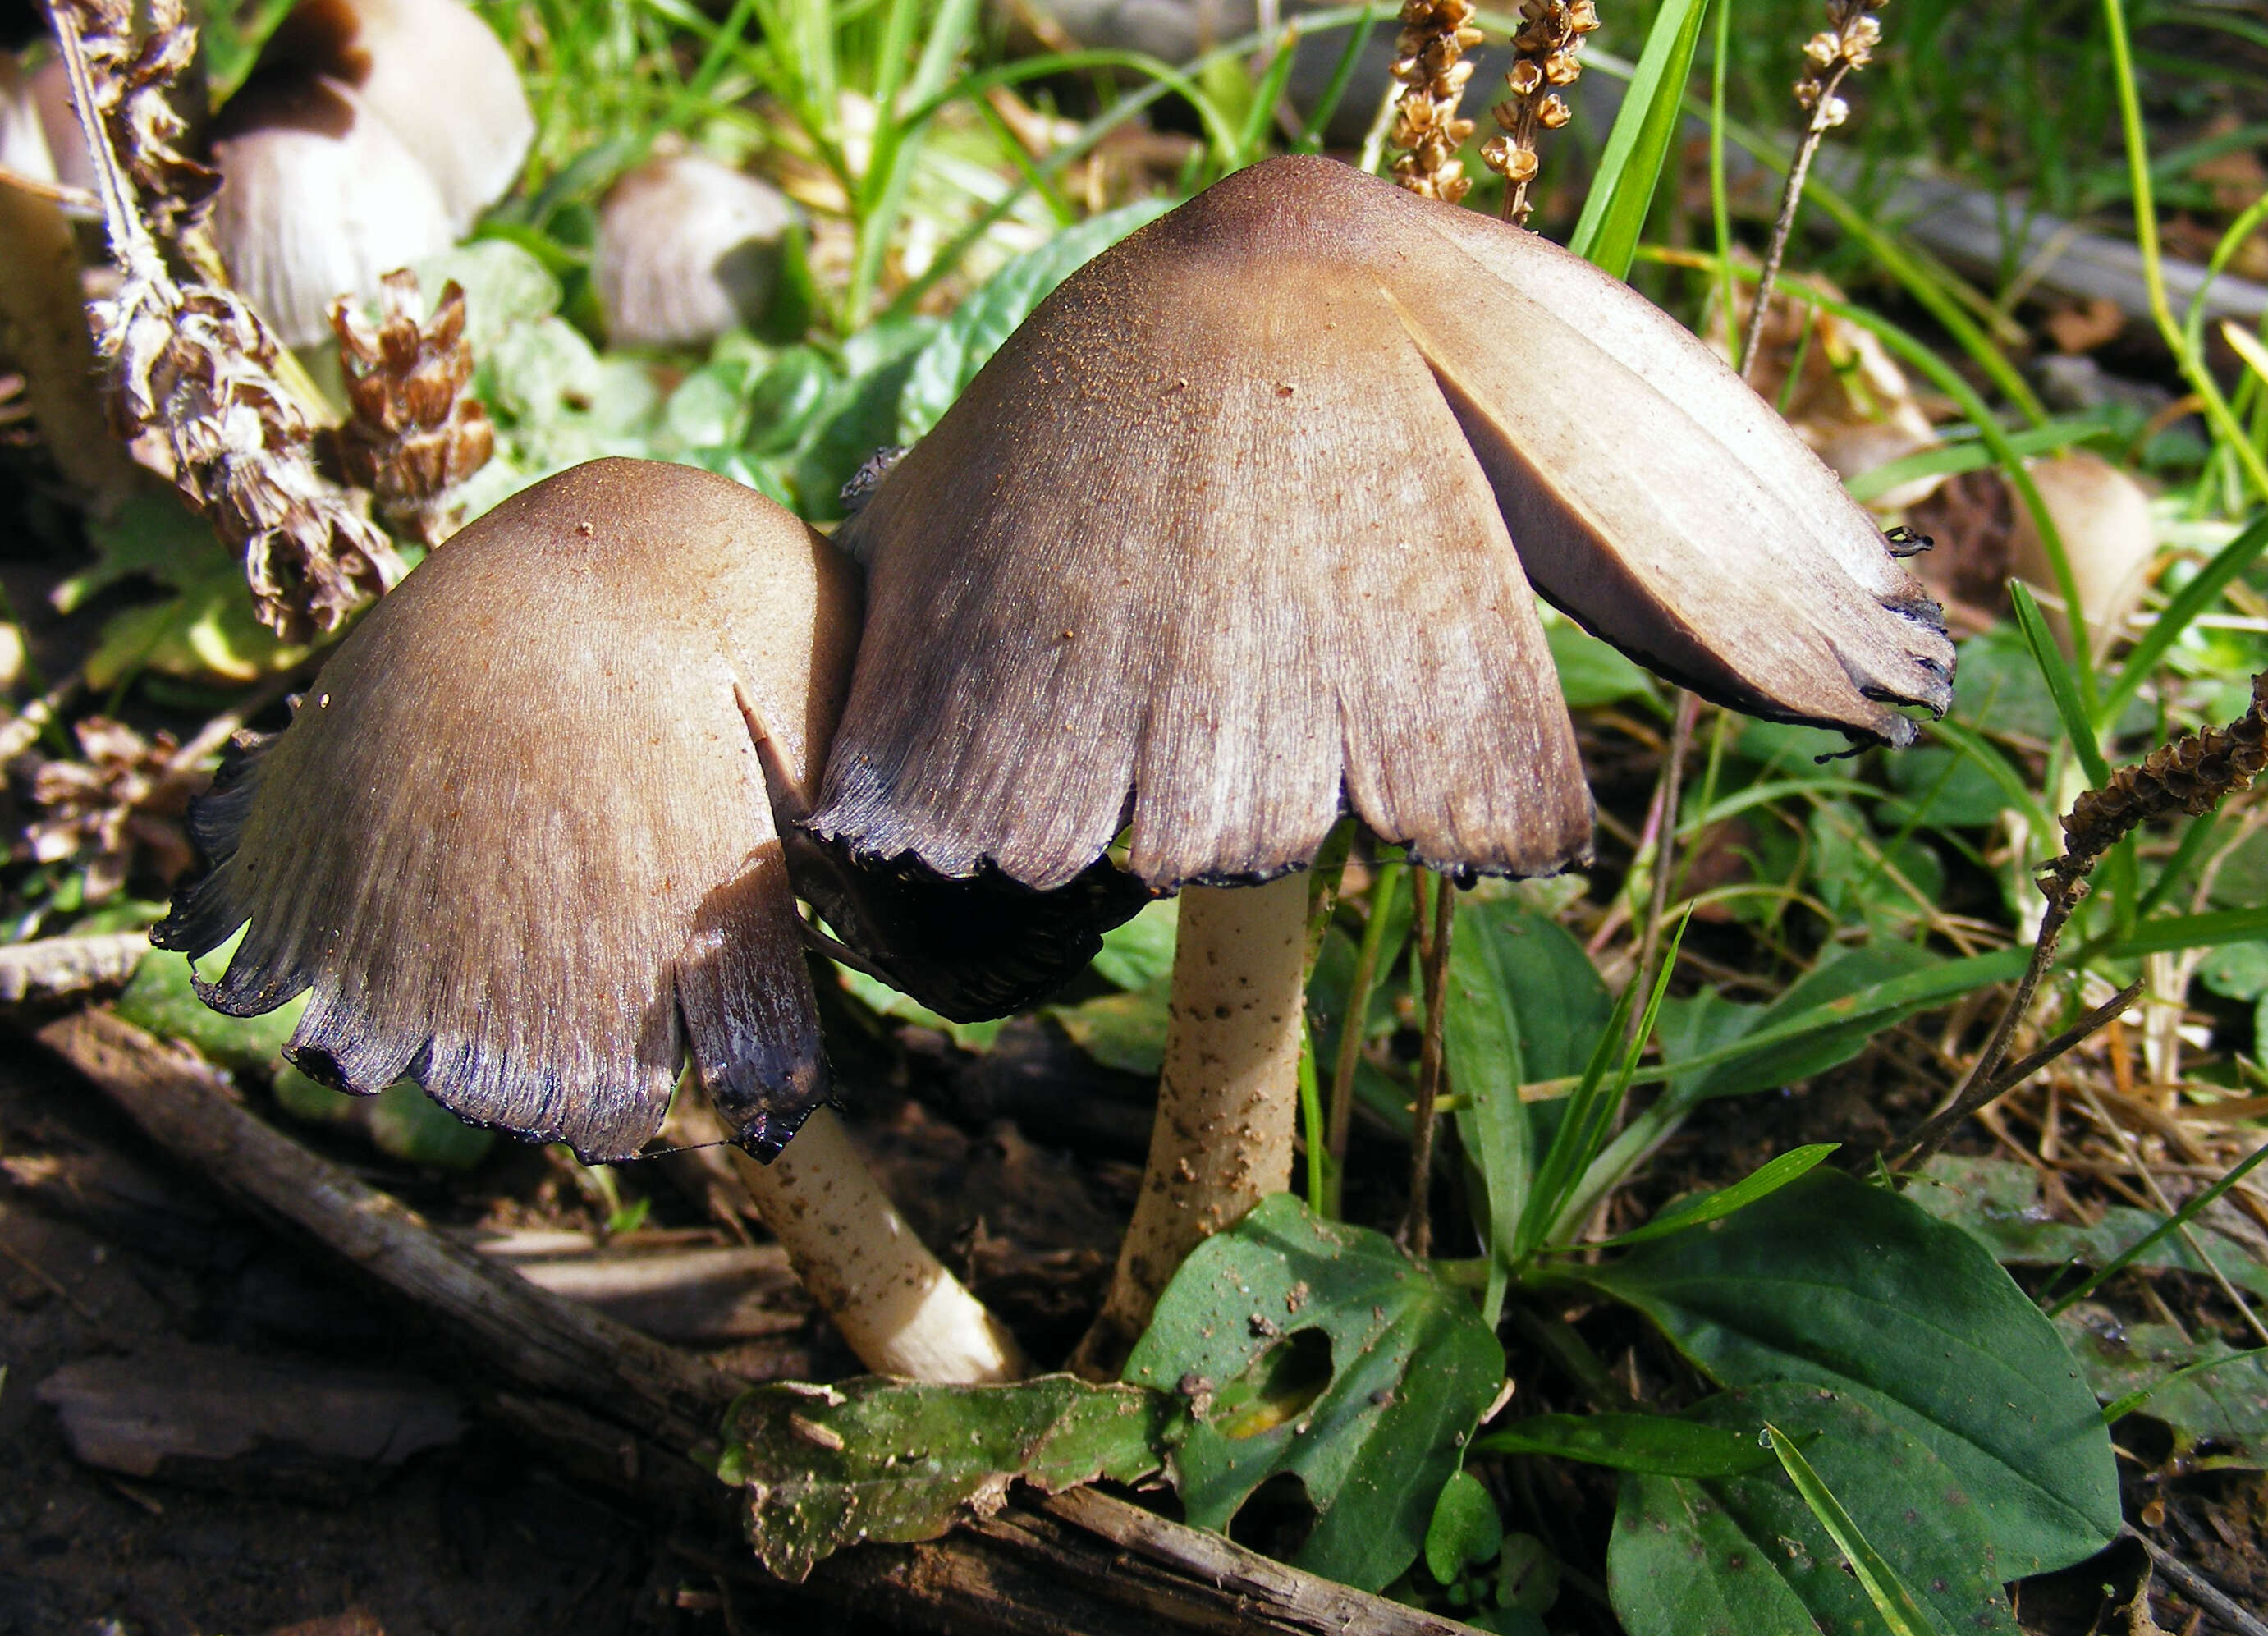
{"x": 518, "y": 839}
{"x": 1232, "y": 533}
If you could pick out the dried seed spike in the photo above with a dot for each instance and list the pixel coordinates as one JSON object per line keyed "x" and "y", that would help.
{"x": 2190, "y": 774}
{"x": 1545, "y": 58}
{"x": 1433, "y": 42}
{"x": 416, "y": 432}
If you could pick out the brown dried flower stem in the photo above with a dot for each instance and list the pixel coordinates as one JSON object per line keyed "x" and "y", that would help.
{"x": 1435, "y": 36}
{"x": 1847, "y": 44}
{"x": 1663, "y": 823}
{"x": 2190, "y": 774}
{"x": 190, "y": 362}
{"x": 1545, "y": 62}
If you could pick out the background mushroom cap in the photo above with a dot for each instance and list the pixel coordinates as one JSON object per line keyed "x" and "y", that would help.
{"x": 686, "y": 249}
{"x": 1234, "y": 530}
{"x": 433, "y": 72}
{"x": 518, "y": 839}
{"x": 318, "y": 199}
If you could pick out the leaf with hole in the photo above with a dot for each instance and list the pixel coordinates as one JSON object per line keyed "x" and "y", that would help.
{"x": 1317, "y": 1350}
{"x": 1835, "y": 1284}
{"x": 822, "y": 1467}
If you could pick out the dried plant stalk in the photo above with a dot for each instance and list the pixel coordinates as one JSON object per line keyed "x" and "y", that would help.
{"x": 1435, "y": 36}
{"x": 192, "y": 363}
{"x": 1545, "y": 63}
{"x": 1847, "y": 45}
{"x": 2192, "y": 775}
{"x": 416, "y": 431}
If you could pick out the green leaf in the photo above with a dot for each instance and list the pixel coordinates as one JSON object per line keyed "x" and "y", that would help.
{"x": 1834, "y": 1284}
{"x": 1656, "y": 1444}
{"x": 1821, "y": 1021}
{"x": 405, "y": 1123}
{"x": 989, "y": 317}
{"x": 1892, "y": 1600}
{"x": 1766, "y": 1179}
{"x": 163, "y": 999}
{"x": 2167, "y": 932}
{"x": 1465, "y": 1532}
{"x": 861, "y": 416}
{"x": 1591, "y": 672}
{"x": 1138, "y": 951}
{"x": 1524, "y": 1002}
{"x": 504, "y": 285}
{"x": 2193, "y": 598}
{"x": 1123, "y": 1031}
{"x": 1318, "y": 1349}
{"x": 829, "y": 1466}
{"x": 1621, "y": 191}
{"x": 2204, "y": 1391}
{"x": 1746, "y": 1556}
{"x": 885, "y": 1001}
{"x": 1998, "y": 1203}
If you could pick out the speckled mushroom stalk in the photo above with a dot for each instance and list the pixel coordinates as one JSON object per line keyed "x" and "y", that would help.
{"x": 519, "y": 844}
{"x": 1237, "y": 534}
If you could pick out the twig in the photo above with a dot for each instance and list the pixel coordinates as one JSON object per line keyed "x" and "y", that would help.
{"x": 2125, "y": 1140}
{"x": 1349, "y": 1059}
{"x": 1664, "y": 824}
{"x": 1433, "y": 965}
{"x": 2195, "y": 1585}
{"x": 61, "y": 968}
{"x": 1834, "y": 53}
{"x": 2076, "y": 1035}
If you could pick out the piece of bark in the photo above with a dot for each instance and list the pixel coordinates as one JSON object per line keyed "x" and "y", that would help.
{"x": 534, "y": 1337}
{"x": 58, "y": 968}
{"x": 638, "y": 1417}
{"x": 705, "y": 1297}
{"x": 356, "y": 1621}
{"x": 210, "y": 1418}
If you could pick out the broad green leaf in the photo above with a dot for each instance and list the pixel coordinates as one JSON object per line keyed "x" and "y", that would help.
{"x": 861, "y": 414}
{"x": 1138, "y": 951}
{"x": 400, "y": 1120}
{"x": 1998, "y": 1203}
{"x": 1894, "y": 1601}
{"x": 2207, "y": 931}
{"x": 1524, "y": 1003}
{"x": 503, "y": 284}
{"x": 1765, "y": 1180}
{"x": 989, "y": 317}
{"x": 1591, "y": 672}
{"x": 885, "y": 1001}
{"x": 1834, "y": 1284}
{"x": 162, "y": 998}
{"x": 2203, "y": 1389}
{"x": 1126, "y": 1031}
{"x": 1656, "y": 1444}
{"x": 829, "y": 1466}
{"x": 1318, "y": 1349}
{"x": 1622, "y": 190}
{"x": 1466, "y": 1530}
{"x": 1745, "y": 1556}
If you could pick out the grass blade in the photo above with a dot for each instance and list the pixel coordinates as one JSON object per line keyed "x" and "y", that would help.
{"x": 2063, "y": 687}
{"x": 1621, "y": 192}
{"x": 2172, "y": 1223}
{"x": 1766, "y": 1178}
{"x": 1900, "y": 1608}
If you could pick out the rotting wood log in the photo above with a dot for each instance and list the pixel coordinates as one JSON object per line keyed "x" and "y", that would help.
{"x": 637, "y": 1415}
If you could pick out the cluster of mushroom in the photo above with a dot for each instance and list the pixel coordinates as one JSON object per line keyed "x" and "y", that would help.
{"x": 1234, "y": 536}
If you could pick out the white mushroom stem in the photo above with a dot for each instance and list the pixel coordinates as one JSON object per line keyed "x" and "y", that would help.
{"x": 1228, "y": 1099}
{"x": 902, "y": 1312}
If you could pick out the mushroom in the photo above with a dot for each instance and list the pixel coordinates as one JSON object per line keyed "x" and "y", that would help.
{"x": 520, "y": 843}
{"x": 318, "y": 198}
{"x": 371, "y": 134}
{"x": 432, "y": 71}
{"x": 686, "y": 249}
{"x": 1237, "y": 532}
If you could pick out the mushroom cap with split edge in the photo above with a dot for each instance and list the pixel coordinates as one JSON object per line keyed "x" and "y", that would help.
{"x": 518, "y": 840}
{"x": 1239, "y": 530}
